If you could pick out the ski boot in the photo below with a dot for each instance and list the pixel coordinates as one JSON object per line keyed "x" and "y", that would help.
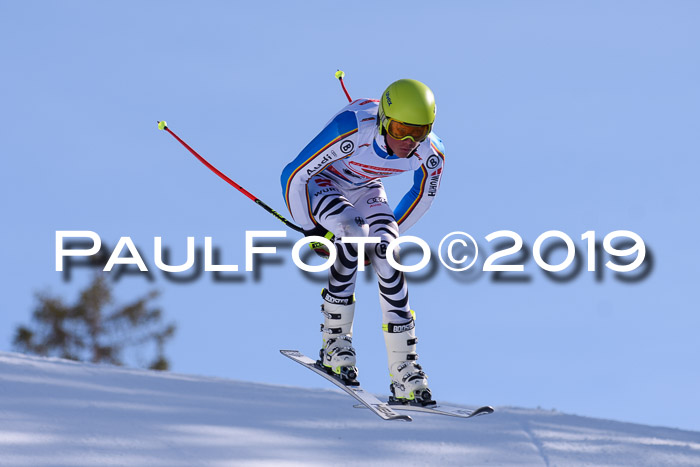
{"x": 409, "y": 384}
{"x": 337, "y": 356}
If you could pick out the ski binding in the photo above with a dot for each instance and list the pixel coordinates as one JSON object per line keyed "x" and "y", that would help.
{"x": 382, "y": 409}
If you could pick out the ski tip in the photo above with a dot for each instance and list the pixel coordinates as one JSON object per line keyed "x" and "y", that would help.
{"x": 487, "y": 409}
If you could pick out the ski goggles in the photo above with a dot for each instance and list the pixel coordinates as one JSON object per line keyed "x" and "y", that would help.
{"x": 399, "y": 130}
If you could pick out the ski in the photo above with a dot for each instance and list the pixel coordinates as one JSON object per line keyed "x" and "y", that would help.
{"x": 382, "y": 409}
{"x": 440, "y": 409}
{"x": 444, "y": 410}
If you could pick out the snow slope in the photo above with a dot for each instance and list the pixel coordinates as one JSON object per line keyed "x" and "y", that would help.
{"x": 56, "y": 412}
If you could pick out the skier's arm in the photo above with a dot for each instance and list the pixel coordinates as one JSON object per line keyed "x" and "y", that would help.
{"x": 322, "y": 151}
{"x": 426, "y": 182}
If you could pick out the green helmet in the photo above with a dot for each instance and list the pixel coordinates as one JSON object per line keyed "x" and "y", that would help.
{"x": 407, "y": 101}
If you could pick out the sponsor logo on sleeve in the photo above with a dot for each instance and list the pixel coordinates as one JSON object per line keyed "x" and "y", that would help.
{"x": 347, "y": 146}
{"x": 326, "y": 159}
{"x": 432, "y": 162}
{"x": 434, "y": 182}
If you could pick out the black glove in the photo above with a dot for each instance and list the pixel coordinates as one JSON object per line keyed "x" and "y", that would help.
{"x": 319, "y": 248}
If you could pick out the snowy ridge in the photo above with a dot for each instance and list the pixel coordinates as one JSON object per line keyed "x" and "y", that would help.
{"x": 61, "y": 413}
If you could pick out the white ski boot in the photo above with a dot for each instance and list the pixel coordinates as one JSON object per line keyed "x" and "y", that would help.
{"x": 337, "y": 355}
{"x": 409, "y": 384}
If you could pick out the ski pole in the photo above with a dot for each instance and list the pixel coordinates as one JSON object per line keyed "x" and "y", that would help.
{"x": 340, "y": 75}
{"x": 162, "y": 125}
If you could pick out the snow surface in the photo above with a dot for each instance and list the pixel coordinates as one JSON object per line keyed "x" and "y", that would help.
{"x": 60, "y": 413}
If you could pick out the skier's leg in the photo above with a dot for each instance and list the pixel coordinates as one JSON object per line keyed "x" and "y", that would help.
{"x": 409, "y": 382}
{"x": 334, "y": 212}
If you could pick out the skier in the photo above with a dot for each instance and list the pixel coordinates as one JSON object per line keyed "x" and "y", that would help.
{"x": 334, "y": 186}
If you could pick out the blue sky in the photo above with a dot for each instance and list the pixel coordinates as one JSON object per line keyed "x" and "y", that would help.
{"x": 572, "y": 116}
